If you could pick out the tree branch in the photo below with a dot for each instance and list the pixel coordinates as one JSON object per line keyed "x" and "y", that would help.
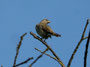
{"x": 85, "y": 38}
{"x": 38, "y": 58}
{"x": 18, "y": 47}
{"x": 24, "y": 62}
{"x": 82, "y": 38}
{"x": 86, "y": 51}
{"x": 34, "y": 35}
{"x": 46, "y": 54}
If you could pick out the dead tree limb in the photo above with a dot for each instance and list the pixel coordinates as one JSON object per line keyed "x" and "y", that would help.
{"x": 24, "y": 62}
{"x": 46, "y": 54}
{"x": 38, "y": 58}
{"x": 60, "y": 62}
{"x": 86, "y": 50}
{"x": 82, "y": 38}
{"x": 18, "y": 47}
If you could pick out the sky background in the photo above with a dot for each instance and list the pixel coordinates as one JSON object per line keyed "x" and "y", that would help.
{"x": 68, "y": 18}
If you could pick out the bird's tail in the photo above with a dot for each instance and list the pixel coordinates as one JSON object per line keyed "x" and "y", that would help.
{"x": 57, "y": 35}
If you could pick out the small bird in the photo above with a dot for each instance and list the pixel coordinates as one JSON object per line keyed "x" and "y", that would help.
{"x": 44, "y": 30}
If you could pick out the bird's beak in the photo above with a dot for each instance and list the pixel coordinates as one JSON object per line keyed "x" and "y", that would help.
{"x": 49, "y": 21}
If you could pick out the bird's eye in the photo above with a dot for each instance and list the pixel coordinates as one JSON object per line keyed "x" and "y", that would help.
{"x": 46, "y": 19}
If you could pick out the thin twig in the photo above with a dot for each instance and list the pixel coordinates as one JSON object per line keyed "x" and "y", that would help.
{"x": 18, "y": 47}
{"x": 34, "y": 35}
{"x": 82, "y": 38}
{"x": 86, "y": 51}
{"x": 24, "y": 61}
{"x": 46, "y": 54}
{"x": 85, "y": 38}
{"x": 38, "y": 58}
{"x": 1, "y": 65}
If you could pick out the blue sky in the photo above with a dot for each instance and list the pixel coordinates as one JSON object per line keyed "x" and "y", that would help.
{"x": 68, "y": 18}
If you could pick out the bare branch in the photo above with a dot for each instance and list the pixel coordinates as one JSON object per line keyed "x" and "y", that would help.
{"x": 82, "y": 38}
{"x": 24, "y": 62}
{"x": 34, "y": 35}
{"x": 1, "y": 65}
{"x": 85, "y": 29}
{"x": 46, "y": 54}
{"x": 85, "y": 38}
{"x": 86, "y": 51}
{"x": 38, "y": 58}
{"x": 18, "y": 47}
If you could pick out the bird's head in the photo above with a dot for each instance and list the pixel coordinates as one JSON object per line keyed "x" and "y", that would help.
{"x": 46, "y": 21}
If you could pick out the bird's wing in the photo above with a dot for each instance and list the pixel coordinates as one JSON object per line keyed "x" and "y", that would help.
{"x": 47, "y": 29}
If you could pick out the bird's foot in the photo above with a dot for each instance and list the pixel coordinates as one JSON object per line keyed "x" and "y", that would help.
{"x": 41, "y": 38}
{"x": 44, "y": 40}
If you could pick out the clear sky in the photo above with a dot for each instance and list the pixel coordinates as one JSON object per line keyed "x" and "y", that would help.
{"x": 68, "y": 18}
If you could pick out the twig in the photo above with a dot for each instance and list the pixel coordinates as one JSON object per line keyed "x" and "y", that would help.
{"x": 38, "y": 58}
{"x": 24, "y": 62}
{"x": 46, "y": 54}
{"x": 82, "y": 38}
{"x": 34, "y": 35}
{"x": 18, "y": 47}
{"x": 85, "y": 38}
{"x": 86, "y": 51}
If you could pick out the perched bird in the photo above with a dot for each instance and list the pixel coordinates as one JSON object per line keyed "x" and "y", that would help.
{"x": 44, "y": 30}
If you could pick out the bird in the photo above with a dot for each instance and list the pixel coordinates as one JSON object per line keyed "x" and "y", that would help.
{"x": 44, "y": 30}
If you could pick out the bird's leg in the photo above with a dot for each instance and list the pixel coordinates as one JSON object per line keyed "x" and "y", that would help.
{"x": 41, "y": 38}
{"x": 38, "y": 37}
{"x": 45, "y": 40}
